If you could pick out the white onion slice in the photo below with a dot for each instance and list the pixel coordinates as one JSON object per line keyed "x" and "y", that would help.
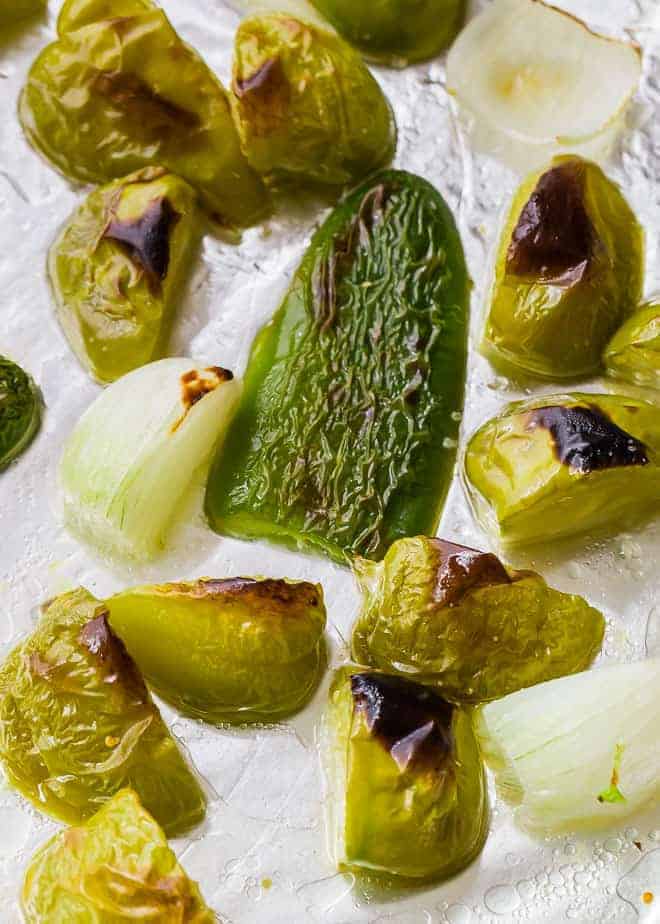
{"x": 135, "y": 451}
{"x": 538, "y": 82}
{"x": 581, "y": 752}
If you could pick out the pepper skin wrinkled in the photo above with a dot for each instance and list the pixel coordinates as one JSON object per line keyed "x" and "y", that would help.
{"x": 461, "y": 621}
{"x": 560, "y": 465}
{"x": 568, "y": 273}
{"x": 408, "y": 799}
{"x": 115, "y": 867}
{"x": 236, "y": 650}
{"x": 633, "y": 353}
{"x": 345, "y": 438}
{"x": 396, "y": 32}
{"x": 118, "y": 267}
{"x": 305, "y": 105}
{"x": 77, "y": 723}
{"x": 20, "y": 411}
{"x": 113, "y": 95}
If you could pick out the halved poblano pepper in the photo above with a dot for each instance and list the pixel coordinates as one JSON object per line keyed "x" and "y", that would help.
{"x": 119, "y": 90}
{"x": 408, "y": 795}
{"x": 77, "y": 723}
{"x": 568, "y": 273}
{"x": 564, "y": 464}
{"x": 396, "y": 32}
{"x": 345, "y": 438}
{"x": 305, "y": 104}
{"x": 20, "y": 411}
{"x": 118, "y": 267}
{"x": 237, "y": 650}
{"x": 458, "y": 619}
{"x": 117, "y": 866}
{"x": 633, "y": 353}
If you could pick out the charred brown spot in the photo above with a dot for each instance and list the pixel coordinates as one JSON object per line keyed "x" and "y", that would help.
{"x": 39, "y": 667}
{"x": 265, "y": 96}
{"x": 289, "y": 595}
{"x": 411, "y": 721}
{"x": 586, "y": 440}
{"x": 554, "y": 240}
{"x": 113, "y": 659}
{"x": 259, "y": 79}
{"x": 195, "y": 386}
{"x": 147, "y": 238}
{"x": 460, "y": 569}
{"x": 137, "y": 99}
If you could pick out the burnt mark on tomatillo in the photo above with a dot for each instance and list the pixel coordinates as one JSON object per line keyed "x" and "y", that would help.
{"x": 554, "y": 239}
{"x": 412, "y": 722}
{"x": 586, "y": 440}
{"x": 113, "y": 659}
{"x": 147, "y": 239}
{"x": 300, "y": 594}
{"x": 460, "y": 569}
{"x": 154, "y": 114}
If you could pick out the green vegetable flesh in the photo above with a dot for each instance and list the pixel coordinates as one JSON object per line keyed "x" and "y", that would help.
{"x": 633, "y": 354}
{"x": 13, "y": 10}
{"x": 396, "y": 32}
{"x": 410, "y": 799}
{"x": 20, "y": 411}
{"x": 459, "y": 620}
{"x": 118, "y": 268}
{"x": 233, "y": 650}
{"x": 564, "y": 464}
{"x": 305, "y": 104}
{"x": 113, "y": 95}
{"x": 77, "y": 723}
{"x": 345, "y": 439}
{"x": 568, "y": 272}
{"x": 117, "y": 867}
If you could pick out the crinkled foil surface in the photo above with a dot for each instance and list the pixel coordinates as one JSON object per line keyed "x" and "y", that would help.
{"x": 261, "y": 856}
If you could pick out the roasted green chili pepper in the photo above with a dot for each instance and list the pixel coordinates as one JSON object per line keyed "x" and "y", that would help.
{"x": 396, "y": 32}
{"x": 633, "y": 353}
{"x": 568, "y": 272}
{"x": 409, "y": 796}
{"x": 564, "y": 464}
{"x": 345, "y": 439}
{"x": 305, "y": 104}
{"x": 460, "y": 620}
{"x": 20, "y": 411}
{"x": 13, "y": 10}
{"x": 77, "y": 723}
{"x": 113, "y": 95}
{"x": 115, "y": 867}
{"x": 236, "y": 650}
{"x": 118, "y": 267}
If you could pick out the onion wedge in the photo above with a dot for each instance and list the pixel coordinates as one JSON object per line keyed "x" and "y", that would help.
{"x": 538, "y": 82}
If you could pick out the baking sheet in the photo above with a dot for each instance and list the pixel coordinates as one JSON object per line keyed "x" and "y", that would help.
{"x": 261, "y": 855}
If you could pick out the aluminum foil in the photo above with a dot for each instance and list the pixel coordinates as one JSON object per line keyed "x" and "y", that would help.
{"x": 261, "y": 856}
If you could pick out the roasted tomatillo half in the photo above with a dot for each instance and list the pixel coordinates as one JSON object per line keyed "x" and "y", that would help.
{"x": 118, "y": 268}
{"x": 458, "y": 619}
{"x": 633, "y": 353}
{"x": 116, "y": 867}
{"x": 559, "y": 465}
{"x": 119, "y": 90}
{"x": 569, "y": 271}
{"x": 77, "y": 723}
{"x": 408, "y": 796}
{"x": 305, "y": 105}
{"x": 345, "y": 439}
{"x": 20, "y": 411}
{"x": 396, "y": 32}
{"x": 237, "y": 650}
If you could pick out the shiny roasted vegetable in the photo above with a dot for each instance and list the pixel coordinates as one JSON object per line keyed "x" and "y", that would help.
{"x": 13, "y": 10}
{"x": 236, "y": 650}
{"x": 345, "y": 438}
{"x": 116, "y": 867}
{"x": 408, "y": 798}
{"x": 396, "y": 32}
{"x": 633, "y": 353}
{"x": 564, "y": 464}
{"x": 115, "y": 94}
{"x": 305, "y": 105}
{"x": 569, "y": 271}
{"x": 458, "y": 619}
{"x": 118, "y": 267}
{"x": 77, "y": 723}
{"x": 20, "y": 411}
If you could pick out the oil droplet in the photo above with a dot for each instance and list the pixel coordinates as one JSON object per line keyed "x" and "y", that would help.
{"x": 266, "y": 883}
{"x": 458, "y": 914}
{"x": 502, "y": 899}
{"x": 647, "y": 898}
